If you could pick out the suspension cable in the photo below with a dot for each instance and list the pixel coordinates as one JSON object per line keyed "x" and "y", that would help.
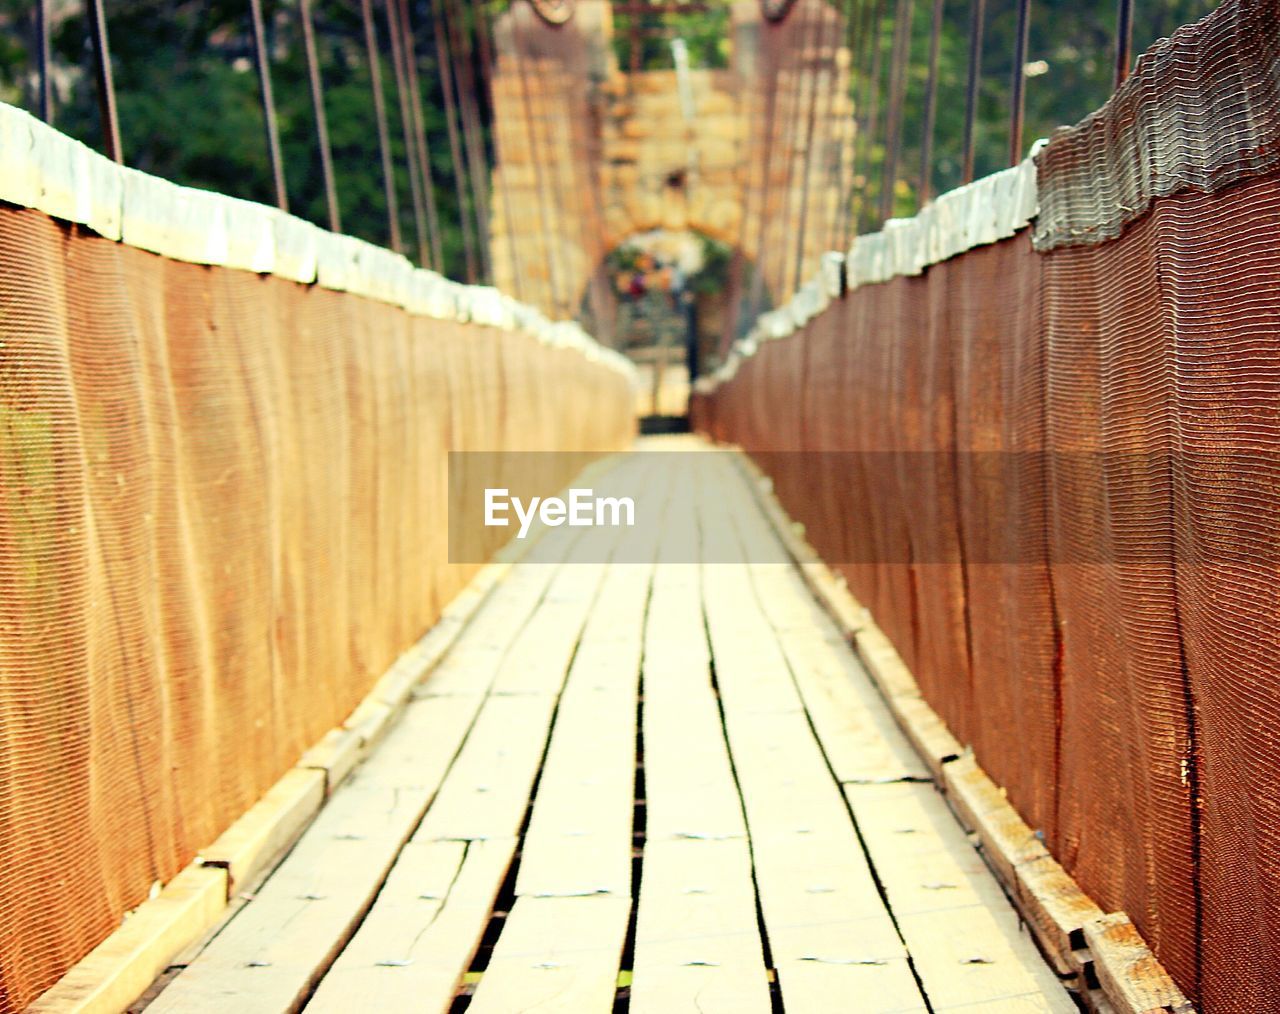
{"x": 771, "y": 144}
{"x": 897, "y": 98}
{"x": 1018, "y": 98}
{"x": 106, "y": 85}
{"x": 1124, "y": 41}
{"x": 406, "y": 126}
{"x": 840, "y": 122}
{"x": 446, "y": 59}
{"x": 875, "y": 40}
{"x": 261, "y": 57}
{"x": 44, "y": 62}
{"x": 814, "y": 50}
{"x": 977, "y": 18}
{"x": 322, "y": 123}
{"x": 553, "y": 279}
{"x": 472, "y": 133}
{"x": 930, "y": 107}
{"x": 420, "y": 136}
{"x": 501, "y": 152}
{"x": 380, "y": 114}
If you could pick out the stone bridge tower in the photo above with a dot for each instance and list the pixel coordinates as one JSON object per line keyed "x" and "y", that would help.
{"x": 589, "y": 154}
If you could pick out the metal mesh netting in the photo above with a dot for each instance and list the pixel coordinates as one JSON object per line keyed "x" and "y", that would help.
{"x": 1118, "y": 678}
{"x": 1201, "y": 110}
{"x": 217, "y": 494}
{"x": 1052, "y": 478}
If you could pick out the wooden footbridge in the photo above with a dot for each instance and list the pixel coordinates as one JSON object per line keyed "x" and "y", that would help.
{"x": 940, "y": 672}
{"x": 669, "y": 782}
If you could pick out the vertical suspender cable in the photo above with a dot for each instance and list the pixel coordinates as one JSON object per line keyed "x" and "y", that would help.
{"x": 871, "y": 123}
{"x": 262, "y": 59}
{"x": 1018, "y": 98}
{"x": 500, "y": 151}
{"x": 795, "y": 134}
{"x": 842, "y": 85}
{"x": 106, "y": 86}
{"x": 1124, "y": 40}
{"x": 553, "y": 280}
{"x": 815, "y": 49}
{"x": 406, "y": 126}
{"x": 897, "y": 98}
{"x": 501, "y": 154}
{"x": 762, "y": 96}
{"x": 831, "y": 136}
{"x": 322, "y": 122}
{"x": 460, "y": 28}
{"x": 865, "y": 13}
{"x": 977, "y": 15}
{"x": 446, "y": 58}
{"x": 836, "y": 229}
{"x": 44, "y": 61}
{"x": 930, "y": 108}
{"x": 798, "y": 23}
{"x": 380, "y": 112}
{"x": 772, "y": 82}
{"x": 420, "y": 135}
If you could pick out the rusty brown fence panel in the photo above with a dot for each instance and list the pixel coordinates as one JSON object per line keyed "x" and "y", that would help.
{"x": 222, "y": 516}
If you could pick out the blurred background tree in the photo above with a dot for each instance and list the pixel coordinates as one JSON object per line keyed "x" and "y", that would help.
{"x": 189, "y": 109}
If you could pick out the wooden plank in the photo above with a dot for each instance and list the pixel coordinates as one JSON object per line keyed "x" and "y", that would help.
{"x": 579, "y": 836}
{"x": 543, "y": 604}
{"x": 487, "y": 791}
{"x": 965, "y": 938}
{"x": 848, "y": 614}
{"x": 697, "y": 944}
{"x": 555, "y": 954}
{"x": 541, "y": 654}
{"x": 269, "y": 956}
{"x": 419, "y": 938}
{"x": 697, "y": 941}
{"x": 1133, "y": 981}
{"x": 1050, "y": 900}
{"x": 119, "y": 969}
{"x": 927, "y": 732}
{"x": 859, "y": 736}
{"x": 982, "y": 807}
{"x": 472, "y": 664}
{"x": 689, "y": 786}
{"x": 828, "y": 929}
{"x": 829, "y": 933}
{"x": 1057, "y": 910}
{"x": 335, "y": 756}
{"x": 249, "y": 845}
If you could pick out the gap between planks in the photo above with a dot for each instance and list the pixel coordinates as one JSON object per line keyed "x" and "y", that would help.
{"x": 1102, "y": 956}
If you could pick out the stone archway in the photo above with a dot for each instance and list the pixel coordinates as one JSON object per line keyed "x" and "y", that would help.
{"x": 589, "y": 155}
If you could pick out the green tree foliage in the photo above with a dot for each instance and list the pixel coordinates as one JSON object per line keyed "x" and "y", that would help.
{"x": 1069, "y": 70}
{"x": 189, "y": 109}
{"x": 187, "y": 93}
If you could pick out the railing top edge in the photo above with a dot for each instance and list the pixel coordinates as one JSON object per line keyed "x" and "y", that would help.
{"x": 45, "y": 170}
{"x": 985, "y": 211}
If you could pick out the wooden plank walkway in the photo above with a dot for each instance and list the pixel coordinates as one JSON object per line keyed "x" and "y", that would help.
{"x": 640, "y": 781}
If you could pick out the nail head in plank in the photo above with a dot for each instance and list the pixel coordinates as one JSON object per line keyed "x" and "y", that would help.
{"x": 555, "y": 954}
{"x": 697, "y": 940}
{"x": 487, "y": 790}
{"x": 422, "y": 932}
{"x": 965, "y": 938}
